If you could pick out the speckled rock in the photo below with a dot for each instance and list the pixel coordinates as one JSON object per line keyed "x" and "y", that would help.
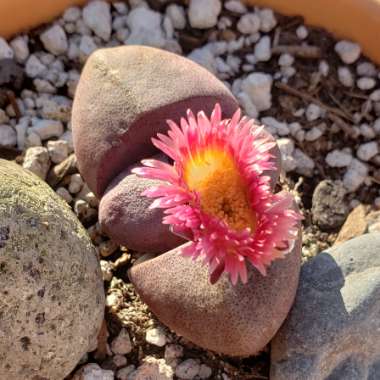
{"x": 333, "y": 329}
{"x": 52, "y": 297}
{"x": 234, "y": 320}
{"x": 124, "y": 97}
{"x": 125, "y": 216}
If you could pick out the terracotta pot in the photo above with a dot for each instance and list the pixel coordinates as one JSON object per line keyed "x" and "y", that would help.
{"x": 357, "y": 20}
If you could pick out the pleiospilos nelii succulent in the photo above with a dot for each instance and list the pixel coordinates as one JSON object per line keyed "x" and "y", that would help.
{"x": 123, "y": 100}
{"x": 52, "y": 297}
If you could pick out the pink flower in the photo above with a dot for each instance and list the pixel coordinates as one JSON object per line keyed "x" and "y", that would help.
{"x": 216, "y": 194}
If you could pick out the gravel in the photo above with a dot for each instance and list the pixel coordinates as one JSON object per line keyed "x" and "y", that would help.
{"x": 204, "y": 14}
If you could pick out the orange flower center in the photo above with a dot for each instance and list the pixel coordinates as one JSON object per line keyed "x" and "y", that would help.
{"x": 223, "y": 193}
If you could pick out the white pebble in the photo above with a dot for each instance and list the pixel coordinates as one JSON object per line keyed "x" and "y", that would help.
{"x": 33, "y": 139}
{"x": 72, "y": 14}
{"x": 286, "y": 147}
{"x": 34, "y": 67}
{"x": 267, "y": 20}
{"x": 314, "y": 134}
{"x": 366, "y": 69}
{"x": 375, "y": 96}
{"x": 172, "y": 353}
{"x": 305, "y": 165}
{"x": 205, "y": 372}
{"x": 302, "y": 32}
{"x": 58, "y": 150}
{"x": 3, "y": 117}
{"x": 177, "y": 15}
{"x": 43, "y": 86}
{"x": 368, "y": 150}
{"x": 258, "y": 87}
{"x": 235, "y": 6}
{"x": 248, "y": 23}
{"x": 262, "y": 49}
{"x": 93, "y": 371}
{"x": 367, "y": 132}
{"x": 338, "y": 159}
{"x": 376, "y": 126}
{"x": 47, "y": 128}
{"x": 107, "y": 268}
{"x": 97, "y": 17}
{"x": 366, "y": 83}
{"x": 286, "y": 60}
{"x": 348, "y": 51}
{"x": 5, "y": 50}
{"x": 54, "y": 40}
{"x": 37, "y": 161}
{"x": 121, "y": 7}
{"x": 145, "y": 27}
{"x": 156, "y": 336}
{"x": 324, "y": 68}
{"x": 63, "y": 193}
{"x": 21, "y": 128}
{"x": 204, "y": 57}
{"x": 313, "y": 112}
{"x": 122, "y": 343}
{"x": 278, "y": 127}
{"x": 20, "y": 48}
{"x": 345, "y": 76}
{"x": 86, "y": 47}
{"x": 8, "y": 136}
{"x": 247, "y": 104}
{"x": 188, "y": 369}
{"x": 203, "y": 14}
{"x": 152, "y": 369}
{"x": 355, "y": 175}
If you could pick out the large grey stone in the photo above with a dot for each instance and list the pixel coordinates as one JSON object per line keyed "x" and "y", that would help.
{"x": 51, "y": 288}
{"x": 333, "y": 329}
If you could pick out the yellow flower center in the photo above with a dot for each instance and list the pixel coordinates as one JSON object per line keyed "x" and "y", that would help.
{"x": 223, "y": 193}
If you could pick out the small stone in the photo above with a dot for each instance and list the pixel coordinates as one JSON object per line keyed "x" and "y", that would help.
{"x": 37, "y": 161}
{"x": 33, "y": 139}
{"x": 302, "y": 32}
{"x": 348, "y": 51}
{"x": 177, "y": 15}
{"x": 368, "y": 150}
{"x": 355, "y": 225}
{"x": 8, "y": 136}
{"x": 286, "y": 147}
{"x": 355, "y": 175}
{"x": 375, "y": 96}
{"x": 86, "y": 47}
{"x": 92, "y": 371}
{"x": 235, "y": 6}
{"x": 156, "y": 336}
{"x": 203, "y": 14}
{"x": 338, "y": 159}
{"x": 58, "y": 150}
{"x": 54, "y": 40}
{"x": 145, "y": 27}
{"x": 305, "y": 165}
{"x": 366, "y": 83}
{"x": 258, "y": 87}
{"x": 263, "y": 50}
{"x": 119, "y": 361}
{"x": 286, "y": 60}
{"x": 376, "y": 126}
{"x": 123, "y": 373}
{"x": 313, "y": 112}
{"x": 188, "y": 369}
{"x": 153, "y": 368}
{"x": 34, "y": 67}
{"x": 57, "y": 108}
{"x": 274, "y": 126}
{"x": 324, "y": 68}
{"x": 205, "y": 372}
{"x": 47, "y": 129}
{"x": 172, "y": 353}
{"x": 21, "y": 128}
{"x": 107, "y": 269}
{"x": 345, "y": 76}
{"x": 5, "y": 50}
{"x": 43, "y": 86}
{"x": 267, "y": 20}
{"x": 76, "y": 183}
{"x": 20, "y": 47}
{"x": 120, "y": 7}
{"x": 329, "y": 209}
{"x": 122, "y": 343}
{"x": 246, "y": 102}
{"x": 72, "y": 14}
{"x": 63, "y": 193}
{"x": 343, "y": 284}
{"x": 313, "y": 134}
{"x": 367, "y": 132}
{"x": 4, "y": 117}
{"x": 366, "y": 69}
{"x": 97, "y": 17}
{"x": 248, "y": 23}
